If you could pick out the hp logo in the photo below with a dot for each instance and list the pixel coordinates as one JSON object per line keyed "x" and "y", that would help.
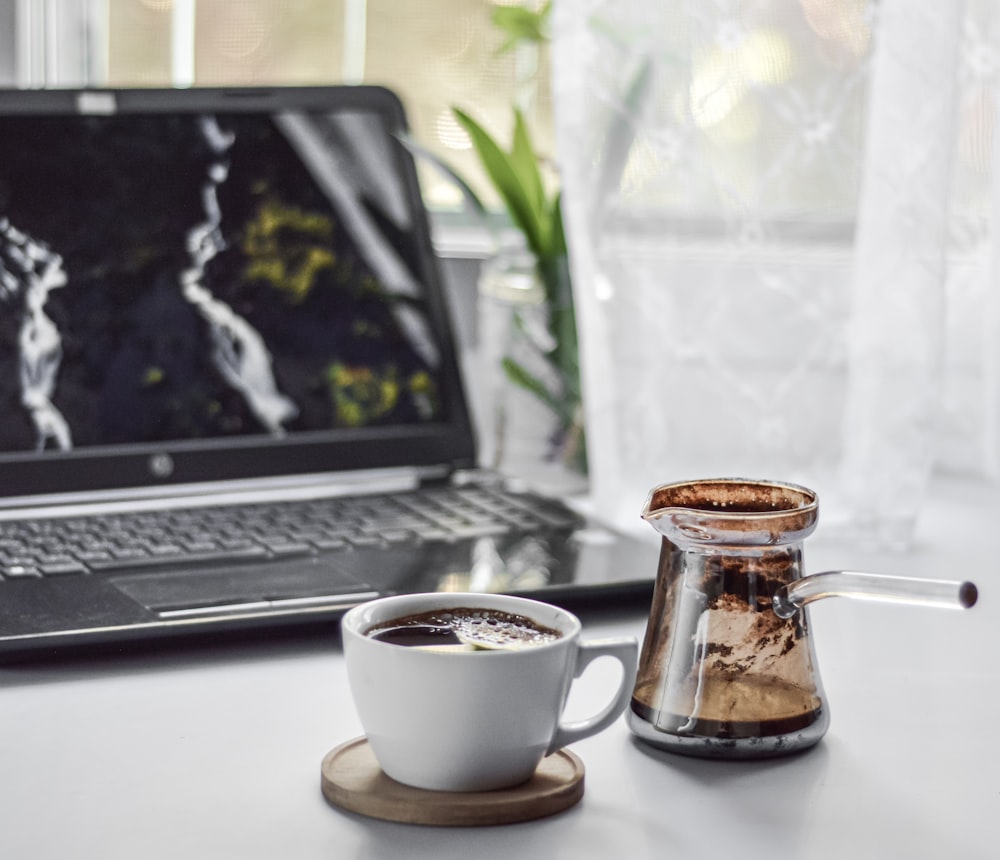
{"x": 161, "y": 465}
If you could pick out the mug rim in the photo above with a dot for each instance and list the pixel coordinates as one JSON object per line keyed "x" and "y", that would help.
{"x": 359, "y": 619}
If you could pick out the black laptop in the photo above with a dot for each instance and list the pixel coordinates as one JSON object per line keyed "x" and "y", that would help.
{"x": 229, "y": 392}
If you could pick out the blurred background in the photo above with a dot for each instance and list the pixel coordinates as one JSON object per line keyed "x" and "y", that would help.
{"x": 753, "y": 192}
{"x": 435, "y": 54}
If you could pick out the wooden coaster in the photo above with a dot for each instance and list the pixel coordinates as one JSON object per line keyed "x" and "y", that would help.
{"x": 353, "y": 780}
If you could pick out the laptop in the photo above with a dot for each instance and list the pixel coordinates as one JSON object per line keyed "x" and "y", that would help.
{"x": 229, "y": 386}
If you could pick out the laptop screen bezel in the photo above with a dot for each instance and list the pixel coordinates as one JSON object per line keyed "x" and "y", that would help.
{"x": 447, "y": 443}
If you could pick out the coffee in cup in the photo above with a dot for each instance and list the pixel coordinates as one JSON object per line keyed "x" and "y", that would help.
{"x": 466, "y": 627}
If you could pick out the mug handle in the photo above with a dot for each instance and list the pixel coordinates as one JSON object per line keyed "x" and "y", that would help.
{"x": 625, "y": 651}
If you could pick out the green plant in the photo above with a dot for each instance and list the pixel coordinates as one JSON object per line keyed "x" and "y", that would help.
{"x": 516, "y": 175}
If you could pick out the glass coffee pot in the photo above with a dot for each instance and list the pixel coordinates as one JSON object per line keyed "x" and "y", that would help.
{"x": 727, "y": 668}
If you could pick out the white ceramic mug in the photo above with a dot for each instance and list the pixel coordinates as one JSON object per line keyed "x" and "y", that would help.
{"x": 479, "y": 720}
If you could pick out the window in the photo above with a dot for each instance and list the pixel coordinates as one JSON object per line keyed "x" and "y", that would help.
{"x": 434, "y": 54}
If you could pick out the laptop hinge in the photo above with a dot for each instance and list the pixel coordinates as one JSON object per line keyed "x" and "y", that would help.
{"x": 249, "y": 491}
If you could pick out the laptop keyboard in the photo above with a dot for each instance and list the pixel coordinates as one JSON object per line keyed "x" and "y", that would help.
{"x": 165, "y": 538}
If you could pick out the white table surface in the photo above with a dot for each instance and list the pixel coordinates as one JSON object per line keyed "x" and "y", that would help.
{"x": 215, "y": 753}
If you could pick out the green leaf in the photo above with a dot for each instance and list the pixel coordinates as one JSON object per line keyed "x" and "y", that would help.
{"x": 517, "y": 374}
{"x": 558, "y": 247}
{"x": 506, "y": 177}
{"x": 525, "y": 163}
{"x": 621, "y": 127}
{"x": 470, "y": 198}
{"x": 521, "y": 25}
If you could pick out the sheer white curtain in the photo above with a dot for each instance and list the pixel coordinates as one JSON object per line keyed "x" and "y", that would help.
{"x": 778, "y": 222}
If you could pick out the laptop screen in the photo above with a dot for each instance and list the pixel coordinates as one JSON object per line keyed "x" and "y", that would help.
{"x": 202, "y": 285}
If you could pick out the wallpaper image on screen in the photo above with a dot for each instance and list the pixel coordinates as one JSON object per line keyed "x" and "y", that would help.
{"x": 190, "y": 277}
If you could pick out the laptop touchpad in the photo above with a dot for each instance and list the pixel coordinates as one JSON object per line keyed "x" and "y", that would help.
{"x": 203, "y": 591}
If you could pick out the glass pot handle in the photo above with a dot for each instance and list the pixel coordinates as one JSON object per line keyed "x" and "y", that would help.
{"x": 873, "y": 586}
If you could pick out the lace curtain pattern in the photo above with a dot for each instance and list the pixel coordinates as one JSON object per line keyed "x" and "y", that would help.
{"x": 778, "y": 221}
